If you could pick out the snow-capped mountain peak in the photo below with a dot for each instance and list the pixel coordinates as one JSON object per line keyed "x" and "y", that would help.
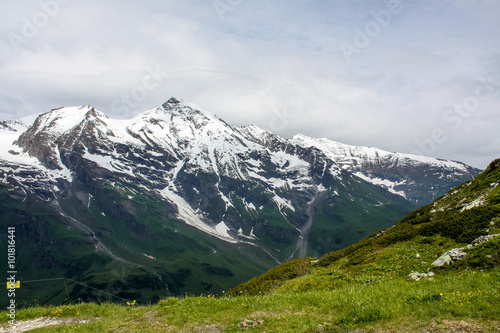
{"x": 378, "y": 166}
{"x": 344, "y": 153}
{"x": 214, "y": 176}
{"x": 174, "y": 105}
{"x": 260, "y": 136}
{"x": 178, "y": 192}
{"x": 63, "y": 119}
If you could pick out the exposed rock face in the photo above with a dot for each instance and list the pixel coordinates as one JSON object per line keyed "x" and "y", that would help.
{"x": 445, "y": 259}
{"x": 218, "y": 178}
{"x": 481, "y": 239}
{"x": 456, "y": 254}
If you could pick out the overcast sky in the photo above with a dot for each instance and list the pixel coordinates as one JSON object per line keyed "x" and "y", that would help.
{"x": 407, "y": 76}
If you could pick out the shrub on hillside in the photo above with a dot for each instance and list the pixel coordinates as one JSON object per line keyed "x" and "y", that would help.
{"x": 463, "y": 227}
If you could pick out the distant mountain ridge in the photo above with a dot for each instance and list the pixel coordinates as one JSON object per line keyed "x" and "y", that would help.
{"x": 125, "y": 187}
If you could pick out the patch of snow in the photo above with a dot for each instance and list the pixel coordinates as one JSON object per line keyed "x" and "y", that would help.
{"x": 280, "y": 202}
{"x": 251, "y": 236}
{"x": 277, "y": 183}
{"x": 389, "y": 185}
{"x": 154, "y": 153}
{"x": 222, "y": 229}
{"x": 109, "y": 163}
{"x": 226, "y": 199}
{"x": 253, "y": 162}
{"x": 321, "y": 188}
{"x": 251, "y": 206}
{"x": 189, "y": 216}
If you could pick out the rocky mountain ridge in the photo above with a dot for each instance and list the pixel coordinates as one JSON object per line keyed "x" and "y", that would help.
{"x": 125, "y": 187}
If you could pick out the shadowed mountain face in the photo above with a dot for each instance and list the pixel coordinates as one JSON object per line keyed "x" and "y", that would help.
{"x": 176, "y": 200}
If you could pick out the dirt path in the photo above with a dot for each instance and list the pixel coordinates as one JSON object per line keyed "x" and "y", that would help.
{"x": 27, "y": 325}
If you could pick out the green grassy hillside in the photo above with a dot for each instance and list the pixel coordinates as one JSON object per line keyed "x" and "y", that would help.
{"x": 365, "y": 287}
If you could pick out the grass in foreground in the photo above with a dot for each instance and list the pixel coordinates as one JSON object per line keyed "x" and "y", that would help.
{"x": 466, "y": 301}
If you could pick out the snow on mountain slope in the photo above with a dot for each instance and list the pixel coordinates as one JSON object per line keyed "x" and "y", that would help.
{"x": 9, "y": 132}
{"x": 351, "y": 156}
{"x": 61, "y": 120}
{"x": 154, "y": 148}
{"x": 202, "y": 166}
{"x": 397, "y": 172}
{"x": 14, "y": 161}
{"x": 260, "y": 136}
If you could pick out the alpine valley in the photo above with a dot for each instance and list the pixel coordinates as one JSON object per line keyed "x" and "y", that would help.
{"x": 177, "y": 201}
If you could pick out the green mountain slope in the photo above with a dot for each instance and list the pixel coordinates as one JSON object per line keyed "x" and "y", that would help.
{"x": 451, "y": 221}
{"x": 388, "y": 282}
{"x": 146, "y": 261}
{"x": 115, "y": 238}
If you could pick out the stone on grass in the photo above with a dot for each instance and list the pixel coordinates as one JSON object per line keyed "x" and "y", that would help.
{"x": 445, "y": 259}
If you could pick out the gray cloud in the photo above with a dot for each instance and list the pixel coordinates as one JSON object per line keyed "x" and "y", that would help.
{"x": 282, "y": 65}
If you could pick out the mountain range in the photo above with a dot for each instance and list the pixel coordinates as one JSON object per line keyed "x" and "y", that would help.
{"x": 176, "y": 200}
{"x": 456, "y": 233}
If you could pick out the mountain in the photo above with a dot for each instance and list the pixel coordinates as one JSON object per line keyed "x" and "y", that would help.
{"x": 458, "y": 232}
{"x": 411, "y": 176}
{"x": 176, "y": 200}
{"x": 437, "y": 270}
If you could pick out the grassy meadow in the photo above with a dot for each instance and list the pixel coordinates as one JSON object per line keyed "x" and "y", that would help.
{"x": 467, "y": 301}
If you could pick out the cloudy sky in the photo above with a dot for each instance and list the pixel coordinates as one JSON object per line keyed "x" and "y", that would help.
{"x": 408, "y": 76}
